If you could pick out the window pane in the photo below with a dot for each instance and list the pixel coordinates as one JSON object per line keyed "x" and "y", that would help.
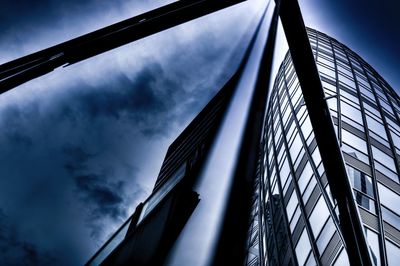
{"x": 351, "y": 112}
{"x": 295, "y": 218}
{"x": 325, "y": 236}
{"x": 383, "y": 158}
{"x": 342, "y": 259}
{"x": 303, "y": 248}
{"x": 373, "y": 242}
{"x": 360, "y": 181}
{"x": 318, "y": 216}
{"x": 291, "y": 205}
{"x": 391, "y": 217}
{"x": 388, "y": 198}
{"x": 309, "y": 189}
{"x": 305, "y": 177}
{"x": 295, "y": 148}
{"x": 354, "y": 141}
{"x": 393, "y": 253}
{"x": 306, "y": 127}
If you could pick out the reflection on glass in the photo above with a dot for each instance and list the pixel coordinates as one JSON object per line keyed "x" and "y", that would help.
{"x": 388, "y": 198}
{"x": 342, "y": 259}
{"x": 303, "y": 248}
{"x": 309, "y": 189}
{"x": 372, "y": 239}
{"x": 362, "y": 185}
{"x": 326, "y": 235}
{"x": 354, "y": 141}
{"x": 115, "y": 240}
{"x": 291, "y": 205}
{"x": 364, "y": 201}
{"x": 162, "y": 191}
{"x": 318, "y": 216}
{"x": 393, "y": 253}
{"x": 310, "y": 261}
{"x": 360, "y": 181}
{"x": 305, "y": 177}
{"x": 390, "y": 217}
{"x": 295, "y": 218}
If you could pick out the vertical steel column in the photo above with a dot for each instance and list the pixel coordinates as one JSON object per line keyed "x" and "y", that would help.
{"x": 236, "y": 221}
{"x": 307, "y": 72}
{"x": 216, "y": 232}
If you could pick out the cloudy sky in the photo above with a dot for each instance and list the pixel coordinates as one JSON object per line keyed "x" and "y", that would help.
{"x": 82, "y": 146}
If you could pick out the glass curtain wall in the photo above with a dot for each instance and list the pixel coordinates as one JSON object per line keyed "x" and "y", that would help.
{"x": 299, "y": 218}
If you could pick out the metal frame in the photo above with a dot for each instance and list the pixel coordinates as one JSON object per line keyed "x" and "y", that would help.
{"x": 321, "y": 120}
{"x": 239, "y": 201}
{"x": 26, "y": 68}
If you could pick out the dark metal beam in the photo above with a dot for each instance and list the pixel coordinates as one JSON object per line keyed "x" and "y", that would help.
{"x": 216, "y": 232}
{"x": 230, "y": 250}
{"x": 42, "y": 62}
{"x": 307, "y": 72}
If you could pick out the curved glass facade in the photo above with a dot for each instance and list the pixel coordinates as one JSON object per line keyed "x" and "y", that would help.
{"x": 298, "y": 217}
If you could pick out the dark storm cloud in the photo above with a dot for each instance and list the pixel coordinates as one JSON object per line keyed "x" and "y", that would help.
{"x": 104, "y": 194}
{"x": 138, "y": 99}
{"x": 105, "y": 197}
{"x": 80, "y": 147}
{"x": 77, "y": 144}
{"x": 73, "y": 151}
{"x": 27, "y": 26}
{"x": 16, "y": 251}
{"x": 53, "y": 180}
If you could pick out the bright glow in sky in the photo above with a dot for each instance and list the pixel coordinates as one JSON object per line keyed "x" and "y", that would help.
{"x": 82, "y": 146}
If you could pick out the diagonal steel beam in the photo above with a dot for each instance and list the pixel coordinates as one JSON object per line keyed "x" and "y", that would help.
{"x": 26, "y": 68}
{"x": 311, "y": 86}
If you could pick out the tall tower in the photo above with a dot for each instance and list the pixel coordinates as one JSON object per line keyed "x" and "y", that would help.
{"x": 295, "y": 219}
{"x": 295, "y": 198}
{"x": 294, "y": 167}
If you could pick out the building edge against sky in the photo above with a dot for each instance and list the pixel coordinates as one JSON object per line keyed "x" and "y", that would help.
{"x": 295, "y": 219}
{"x": 298, "y": 218}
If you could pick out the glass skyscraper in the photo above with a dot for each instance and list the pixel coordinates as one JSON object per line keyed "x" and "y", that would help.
{"x": 296, "y": 219}
{"x": 254, "y": 178}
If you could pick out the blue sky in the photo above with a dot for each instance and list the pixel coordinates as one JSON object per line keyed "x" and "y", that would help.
{"x": 82, "y": 146}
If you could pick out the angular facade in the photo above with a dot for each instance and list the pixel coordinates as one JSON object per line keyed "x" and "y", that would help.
{"x": 147, "y": 236}
{"x": 295, "y": 219}
{"x": 298, "y": 218}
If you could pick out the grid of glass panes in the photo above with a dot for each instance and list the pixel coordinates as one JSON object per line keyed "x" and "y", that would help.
{"x": 299, "y": 209}
{"x": 365, "y": 110}
{"x": 253, "y": 257}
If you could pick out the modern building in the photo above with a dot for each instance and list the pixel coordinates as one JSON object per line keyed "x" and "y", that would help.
{"x": 304, "y": 173}
{"x": 147, "y": 236}
{"x": 295, "y": 219}
{"x": 295, "y": 202}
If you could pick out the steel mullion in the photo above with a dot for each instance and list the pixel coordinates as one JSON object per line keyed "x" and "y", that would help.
{"x": 396, "y": 115}
{"x": 293, "y": 172}
{"x": 314, "y": 166}
{"x": 378, "y": 209}
{"x": 321, "y": 120}
{"x": 385, "y": 125}
{"x": 338, "y": 103}
{"x": 278, "y": 183}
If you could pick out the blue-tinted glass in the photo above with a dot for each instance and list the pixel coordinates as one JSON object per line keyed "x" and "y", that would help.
{"x": 342, "y": 259}
{"x": 393, "y": 253}
{"x": 391, "y": 217}
{"x": 303, "y": 248}
{"x": 373, "y": 242}
{"x": 326, "y": 235}
{"x": 389, "y": 198}
{"x": 318, "y": 216}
